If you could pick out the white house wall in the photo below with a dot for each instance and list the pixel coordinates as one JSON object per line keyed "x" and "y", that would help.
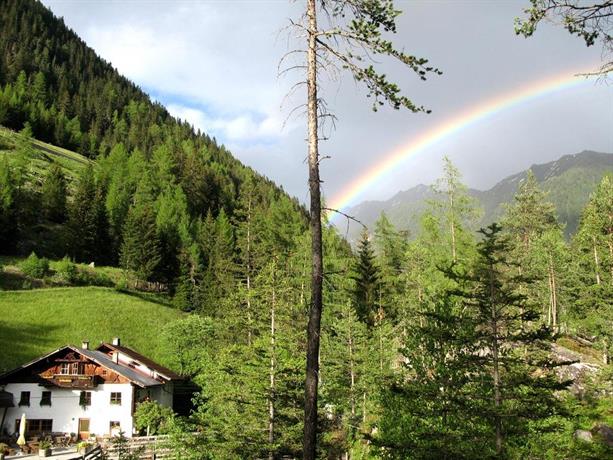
{"x": 66, "y": 412}
{"x": 162, "y": 394}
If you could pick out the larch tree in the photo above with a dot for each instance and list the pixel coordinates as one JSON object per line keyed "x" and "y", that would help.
{"x": 355, "y": 33}
{"x": 457, "y": 207}
{"x": 53, "y": 194}
{"x": 591, "y": 21}
{"x": 593, "y": 288}
{"x": 530, "y": 218}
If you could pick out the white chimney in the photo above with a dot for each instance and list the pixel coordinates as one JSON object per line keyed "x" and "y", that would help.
{"x": 116, "y": 341}
{"x": 85, "y": 345}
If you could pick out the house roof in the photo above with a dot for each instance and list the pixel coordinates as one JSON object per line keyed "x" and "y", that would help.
{"x": 163, "y": 371}
{"x": 132, "y": 375}
{"x": 98, "y": 357}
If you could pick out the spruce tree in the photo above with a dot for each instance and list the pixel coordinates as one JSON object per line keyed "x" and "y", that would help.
{"x": 83, "y": 219}
{"x": 140, "y": 248}
{"x": 515, "y": 376}
{"x": 367, "y": 280}
{"x": 426, "y": 408}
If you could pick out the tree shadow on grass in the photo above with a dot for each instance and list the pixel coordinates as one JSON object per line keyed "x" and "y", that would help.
{"x": 148, "y": 297}
{"x": 15, "y": 281}
{"x": 23, "y": 343}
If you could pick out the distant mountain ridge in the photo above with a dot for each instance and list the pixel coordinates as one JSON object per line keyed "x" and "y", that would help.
{"x": 569, "y": 181}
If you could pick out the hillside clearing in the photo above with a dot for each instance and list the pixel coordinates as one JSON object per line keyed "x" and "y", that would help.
{"x": 38, "y": 321}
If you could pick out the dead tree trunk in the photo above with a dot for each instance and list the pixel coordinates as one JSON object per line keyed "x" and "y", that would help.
{"x": 312, "y": 361}
{"x": 596, "y": 261}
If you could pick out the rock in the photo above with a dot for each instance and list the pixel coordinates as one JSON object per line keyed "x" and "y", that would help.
{"x": 92, "y": 264}
{"x": 605, "y": 432}
{"x": 583, "y": 435}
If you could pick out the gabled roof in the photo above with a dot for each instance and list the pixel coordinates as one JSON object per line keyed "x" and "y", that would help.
{"x": 34, "y": 361}
{"x": 99, "y": 358}
{"x": 163, "y": 371}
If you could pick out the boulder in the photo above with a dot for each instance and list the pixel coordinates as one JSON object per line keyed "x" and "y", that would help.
{"x": 605, "y": 432}
{"x": 583, "y": 435}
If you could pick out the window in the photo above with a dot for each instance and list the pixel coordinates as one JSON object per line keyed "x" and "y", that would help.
{"x": 45, "y": 399}
{"x": 76, "y": 369}
{"x": 85, "y": 399}
{"x": 116, "y": 399}
{"x": 114, "y": 428}
{"x": 36, "y": 426}
{"x": 65, "y": 369}
{"x": 25, "y": 398}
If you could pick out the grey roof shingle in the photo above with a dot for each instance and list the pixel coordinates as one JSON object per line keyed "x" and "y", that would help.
{"x": 130, "y": 374}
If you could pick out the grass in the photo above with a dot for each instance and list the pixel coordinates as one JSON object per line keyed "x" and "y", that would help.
{"x": 588, "y": 354}
{"x": 38, "y": 321}
{"x": 43, "y": 155}
{"x": 12, "y": 278}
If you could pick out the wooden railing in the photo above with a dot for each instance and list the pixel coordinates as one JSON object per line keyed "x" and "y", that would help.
{"x": 147, "y": 447}
{"x": 74, "y": 381}
{"x": 94, "y": 454}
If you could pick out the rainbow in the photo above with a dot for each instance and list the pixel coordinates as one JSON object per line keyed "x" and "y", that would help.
{"x": 453, "y": 125}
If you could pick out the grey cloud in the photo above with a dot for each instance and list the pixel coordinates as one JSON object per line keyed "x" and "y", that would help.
{"x": 223, "y": 56}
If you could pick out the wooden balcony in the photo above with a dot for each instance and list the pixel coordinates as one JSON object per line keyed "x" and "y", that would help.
{"x": 74, "y": 381}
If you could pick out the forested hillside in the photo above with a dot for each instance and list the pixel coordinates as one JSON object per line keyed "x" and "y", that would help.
{"x": 153, "y": 184}
{"x": 449, "y": 344}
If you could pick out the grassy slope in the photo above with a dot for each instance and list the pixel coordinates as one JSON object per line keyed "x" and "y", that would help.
{"x": 33, "y": 322}
{"x": 44, "y": 154}
{"x": 38, "y": 321}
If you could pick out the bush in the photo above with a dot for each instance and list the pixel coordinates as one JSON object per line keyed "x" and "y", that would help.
{"x": 66, "y": 270}
{"x": 90, "y": 277}
{"x": 35, "y": 267}
{"x": 150, "y": 418}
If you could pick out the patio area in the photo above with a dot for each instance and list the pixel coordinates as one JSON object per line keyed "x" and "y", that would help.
{"x": 57, "y": 453}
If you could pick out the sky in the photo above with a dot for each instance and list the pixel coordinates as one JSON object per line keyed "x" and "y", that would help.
{"x": 215, "y": 63}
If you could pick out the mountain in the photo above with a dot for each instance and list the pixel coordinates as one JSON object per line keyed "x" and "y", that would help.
{"x": 568, "y": 180}
{"x": 67, "y": 96}
{"x": 66, "y": 101}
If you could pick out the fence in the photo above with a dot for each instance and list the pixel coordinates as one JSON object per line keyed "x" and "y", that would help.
{"x": 147, "y": 447}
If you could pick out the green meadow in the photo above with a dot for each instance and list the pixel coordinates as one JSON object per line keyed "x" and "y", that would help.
{"x": 34, "y": 322}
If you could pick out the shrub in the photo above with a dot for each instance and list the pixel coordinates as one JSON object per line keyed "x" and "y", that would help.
{"x": 89, "y": 277}
{"x": 34, "y": 266}
{"x": 151, "y": 418}
{"x": 66, "y": 270}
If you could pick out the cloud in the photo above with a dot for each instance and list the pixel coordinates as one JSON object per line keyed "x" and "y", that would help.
{"x": 204, "y": 61}
{"x": 245, "y": 128}
{"x": 214, "y": 64}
